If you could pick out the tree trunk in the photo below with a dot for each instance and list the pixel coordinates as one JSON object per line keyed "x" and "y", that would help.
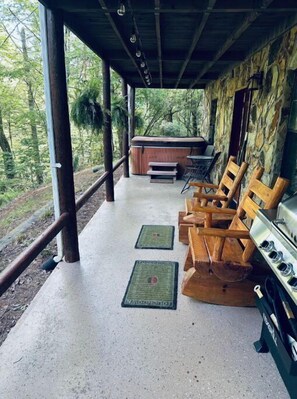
{"x": 194, "y": 124}
{"x": 8, "y": 160}
{"x": 34, "y": 136}
{"x": 120, "y": 140}
{"x": 67, "y": 48}
{"x": 169, "y": 116}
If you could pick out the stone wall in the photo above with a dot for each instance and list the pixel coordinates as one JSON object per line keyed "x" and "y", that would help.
{"x": 269, "y": 107}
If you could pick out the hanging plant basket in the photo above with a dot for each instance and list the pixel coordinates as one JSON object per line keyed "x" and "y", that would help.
{"x": 86, "y": 112}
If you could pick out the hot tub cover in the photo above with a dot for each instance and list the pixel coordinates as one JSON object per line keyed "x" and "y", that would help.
{"x": 163, "y": 141}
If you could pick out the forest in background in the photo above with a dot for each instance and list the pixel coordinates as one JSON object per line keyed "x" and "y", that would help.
{"x": 24, "y": 157}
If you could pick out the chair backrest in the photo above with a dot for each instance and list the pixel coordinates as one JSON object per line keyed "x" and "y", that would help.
{"x": 230, "y": 181}
{"x": 209, "y": 150}
{"x": 257, "y": 196}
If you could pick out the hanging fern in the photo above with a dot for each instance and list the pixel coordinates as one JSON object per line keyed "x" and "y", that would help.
{"x": 119, "y": 113}
{"x": 139, "y": 122}
{"x": 86, "y": 112}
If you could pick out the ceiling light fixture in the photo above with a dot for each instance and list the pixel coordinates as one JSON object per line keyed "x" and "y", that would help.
{"x": 138, "y": 53}
{"x": 133, "y": 37}
{"x": 121, "y": 9}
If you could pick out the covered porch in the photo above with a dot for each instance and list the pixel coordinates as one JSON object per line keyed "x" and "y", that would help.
{"x": 75, "y": 340}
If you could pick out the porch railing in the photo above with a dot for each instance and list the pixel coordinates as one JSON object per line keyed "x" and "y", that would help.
{"x": 17, "y": 266}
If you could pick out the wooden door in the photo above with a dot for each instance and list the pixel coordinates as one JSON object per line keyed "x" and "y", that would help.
{"x": 239, "y": 127}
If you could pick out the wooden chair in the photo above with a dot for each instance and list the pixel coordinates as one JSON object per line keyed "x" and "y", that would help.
{"x": 218, "y": 264}
{"x": 222, "y": 198}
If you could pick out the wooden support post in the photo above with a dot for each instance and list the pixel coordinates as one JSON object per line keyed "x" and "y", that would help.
{"x": 61, "y": 128}
{"x": 125, "y": 130}
{"x": 132, "y": 112}
{"x": 107, "y": 132}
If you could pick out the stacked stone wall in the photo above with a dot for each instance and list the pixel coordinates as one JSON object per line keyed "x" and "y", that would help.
{"x": 269, "y": 107}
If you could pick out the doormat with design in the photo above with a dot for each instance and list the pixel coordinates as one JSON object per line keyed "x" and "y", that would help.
{"x": 153, "y": 284}
{"x": 155, "y": 237}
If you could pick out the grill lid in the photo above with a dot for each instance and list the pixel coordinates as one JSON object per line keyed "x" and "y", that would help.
{"x": 286, "y": 219}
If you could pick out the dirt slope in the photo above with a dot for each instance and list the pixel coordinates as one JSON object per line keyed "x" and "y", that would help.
{"x": 14, "y": 301}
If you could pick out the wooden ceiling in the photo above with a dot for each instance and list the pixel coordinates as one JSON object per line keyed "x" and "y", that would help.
{"x": 184, "y": 44}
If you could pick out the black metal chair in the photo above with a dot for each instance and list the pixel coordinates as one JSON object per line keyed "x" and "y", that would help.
{"x": 209, "y": 150}
{"x": 200, "y": 170}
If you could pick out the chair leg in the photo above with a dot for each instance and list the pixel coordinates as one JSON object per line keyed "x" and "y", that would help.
{"x": 186, "y": 185}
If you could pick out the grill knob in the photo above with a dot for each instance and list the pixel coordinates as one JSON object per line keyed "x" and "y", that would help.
{"x": 267, "y": 246}
{"x": 293, "y": 283}
{"x": 276, "y": 256}
{"x": 286, "y": 269}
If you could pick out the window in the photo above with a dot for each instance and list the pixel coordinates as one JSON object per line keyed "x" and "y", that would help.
{"x": 212, "y": 121}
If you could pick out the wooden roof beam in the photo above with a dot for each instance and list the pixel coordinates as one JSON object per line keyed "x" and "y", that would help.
{"x": 197, "y": 56}
{"x": 159, "y": 44}
{"x": 216, "y": 10}
{"x": 120, "y": 37}
{"x": 248, "y": 20}
{"x": 196, "y": 37}
{"x": 172, "y": 76}
{"x": 139, "y": 7}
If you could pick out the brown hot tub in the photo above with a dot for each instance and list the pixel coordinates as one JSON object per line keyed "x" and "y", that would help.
{"x": 163, "y": 149}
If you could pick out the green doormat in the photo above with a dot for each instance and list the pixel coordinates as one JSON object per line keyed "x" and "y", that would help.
{"x": 153, "y": 284}
{"x": 155, "y": 237}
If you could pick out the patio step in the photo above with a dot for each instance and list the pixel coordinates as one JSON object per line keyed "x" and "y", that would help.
{"x": 163, "y": 165}
{"x": 162, "y": 172}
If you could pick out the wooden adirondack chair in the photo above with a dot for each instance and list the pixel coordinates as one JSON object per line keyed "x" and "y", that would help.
{"x": 226, "y": 190}
{"x": 218, "y": 264}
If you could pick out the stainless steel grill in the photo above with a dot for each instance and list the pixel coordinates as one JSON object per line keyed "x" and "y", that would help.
{"x": 275, "y": 234}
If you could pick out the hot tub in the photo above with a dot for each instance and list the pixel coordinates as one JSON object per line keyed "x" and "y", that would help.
{"x": 163, "y": 149}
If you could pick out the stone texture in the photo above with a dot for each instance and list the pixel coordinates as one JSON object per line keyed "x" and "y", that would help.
{"x": 269, "y": 106}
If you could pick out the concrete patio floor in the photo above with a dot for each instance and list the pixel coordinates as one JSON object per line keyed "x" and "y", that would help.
{"x": 75, "y": 340}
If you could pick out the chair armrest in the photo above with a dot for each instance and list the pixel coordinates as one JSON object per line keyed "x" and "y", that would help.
{"x": 210, "y": 196}
{"x": 206, "y": 185}
{"x": 239, "y": 234}
{"x": 213, "y": 209}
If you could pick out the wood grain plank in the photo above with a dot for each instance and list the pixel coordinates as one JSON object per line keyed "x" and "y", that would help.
{"x": 199, "y": 252}
{"x": 260, "y": 190}
{"x": 227, "y": 182}
{"x": 233, "y": 168}
{"x": 214, "y": 290}
{"x": 250, "y": 207}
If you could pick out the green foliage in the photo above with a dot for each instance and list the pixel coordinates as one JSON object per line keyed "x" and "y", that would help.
{"x": 118, "y": 112}
{"x": 168, "y": 112}
{"x": 7, "y": 197}
{"x": 139, "y": 122}
{"x": 170, "y": 129}
{"x": 176, "y": 106}
{"x": 75, "y": 163}
{"x": 10, "y": 189}
{"x": 86, "y": 112}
